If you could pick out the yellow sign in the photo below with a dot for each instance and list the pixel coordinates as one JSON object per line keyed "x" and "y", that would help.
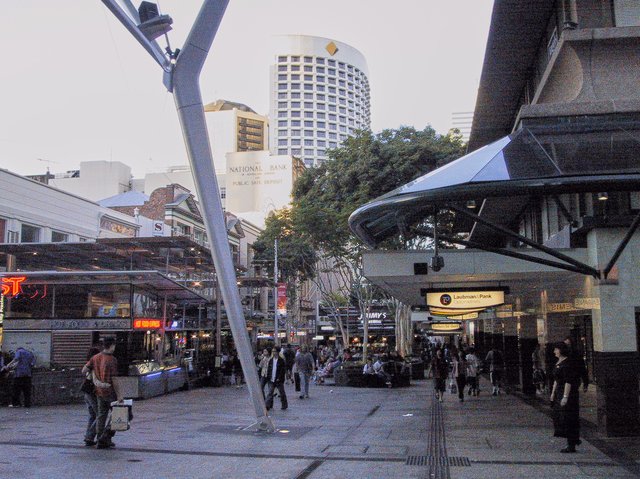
{"x": 453, "y": 312}
{"x": 445, "y": 326}
{"x": 587, "y": 303}
{"x": 465, "y": 299}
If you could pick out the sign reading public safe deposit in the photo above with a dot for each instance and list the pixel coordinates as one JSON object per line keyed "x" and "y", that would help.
{"x": 465, "y": 299}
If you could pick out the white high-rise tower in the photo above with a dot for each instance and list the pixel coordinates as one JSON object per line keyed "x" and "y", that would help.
{"x": 319, "y": 96}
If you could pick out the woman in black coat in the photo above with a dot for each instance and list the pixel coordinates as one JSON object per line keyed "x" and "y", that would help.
{"x": 565, "y": 399}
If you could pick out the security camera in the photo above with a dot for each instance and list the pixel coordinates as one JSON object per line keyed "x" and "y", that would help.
{"x": 437, "y": 262}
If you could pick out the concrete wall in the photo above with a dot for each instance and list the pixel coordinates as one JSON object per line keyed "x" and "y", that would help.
{"x": 97, "y": 180}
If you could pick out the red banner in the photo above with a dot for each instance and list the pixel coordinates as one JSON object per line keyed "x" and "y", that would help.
{"x": 282, "y": 299}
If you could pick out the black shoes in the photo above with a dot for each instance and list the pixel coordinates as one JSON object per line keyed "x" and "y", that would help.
{"x": 568, "y": 449}
{"x": 89, "y": 443}
{"x": 301, "y": 396}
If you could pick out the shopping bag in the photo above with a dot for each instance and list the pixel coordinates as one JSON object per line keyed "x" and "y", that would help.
{"x": 121, "y": 415}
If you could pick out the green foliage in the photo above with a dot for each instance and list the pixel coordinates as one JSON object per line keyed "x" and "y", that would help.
{"x": 296, "y": 257}
{"x": 365, "y": 167}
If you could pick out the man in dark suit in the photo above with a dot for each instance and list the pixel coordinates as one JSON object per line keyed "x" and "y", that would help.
{"x": 276, "y": 371}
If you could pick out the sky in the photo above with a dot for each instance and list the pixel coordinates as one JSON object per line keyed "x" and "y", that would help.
{"x": 75, "y": 86}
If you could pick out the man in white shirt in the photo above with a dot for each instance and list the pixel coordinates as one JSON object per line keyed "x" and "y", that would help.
{"x": 276, "y": 371}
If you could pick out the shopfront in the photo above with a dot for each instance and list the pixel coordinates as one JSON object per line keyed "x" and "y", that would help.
{"x": 60, "y": 315}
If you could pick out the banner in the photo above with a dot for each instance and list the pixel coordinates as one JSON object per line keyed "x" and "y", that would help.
{"x": 282, "y": 299}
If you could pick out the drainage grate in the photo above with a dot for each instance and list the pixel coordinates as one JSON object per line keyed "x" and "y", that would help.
{"x": 437, "y": 461}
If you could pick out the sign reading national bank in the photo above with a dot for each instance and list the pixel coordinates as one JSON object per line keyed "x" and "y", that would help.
{"x": 256, "y": 179}
{"x": 465, "y": 299}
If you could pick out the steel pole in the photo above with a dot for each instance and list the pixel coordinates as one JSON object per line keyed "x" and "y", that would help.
{"x": 276, "y": 320}
{"x": 188, "y": 99}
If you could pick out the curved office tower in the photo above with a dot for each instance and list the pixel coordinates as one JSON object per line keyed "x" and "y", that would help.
{"x": 319, "y": 96}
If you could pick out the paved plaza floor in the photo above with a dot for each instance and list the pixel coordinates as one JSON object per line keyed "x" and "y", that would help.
{"x": 337, "y": 433}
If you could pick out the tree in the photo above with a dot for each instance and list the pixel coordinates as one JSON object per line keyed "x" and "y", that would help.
{"x": 364, "y": 167}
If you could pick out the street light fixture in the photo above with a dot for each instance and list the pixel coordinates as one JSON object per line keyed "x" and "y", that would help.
{"x": 181, "y": 77}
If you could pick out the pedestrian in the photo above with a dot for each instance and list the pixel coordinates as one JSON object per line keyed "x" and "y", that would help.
{"x": 89, "y": 394}
{"x": 440, "y": 370}
{"x": 459, "y": 372}
{"x": 262, "y": 368}
{"x": 237, "y": 372}
{"x": 473, "y": 365}
{"x": 276, "y": 373}
{"x": 565, "y": 400}
{"x": 21, "y": 365}
{"x": 104, "y": 367}
{"x": 578, "y": 362}
{"x": 496, "y": 367}
{"x": 304, "y": 365}
{"x": 289, "y": 358}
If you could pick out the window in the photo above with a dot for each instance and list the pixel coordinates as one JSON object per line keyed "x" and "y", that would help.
{"x": 320, "y": 61}
{"x": 308, "y": 78}
{"x": 321, "y": 143}
{"x": 332, "y": 99}
{"x": 295, "y": 95}
{"x": 333, "y": 144}
{"x": 295, "y": 122}
{"x": 308, "y": 114}
{"x": 308, "y": 124}
{"x": 308, "y": 142}
{"x": 332, "y": 71}
{"x": 331, "y": 63}
{"x": 308, "y": 104}
{"x": 308, "y": 86}
{"x": 282, "y": 86}
{"x": 320, "y": 96}
{"x": 308, "y": 60}
{"x": 295, "y": 86}
{"x": 320, "y": 79}
{"x": 295, "y": 114}
{"x": 282, "y": 96}
{"x": 343, "y": 128}
{"x": 320, "y": 152}
{"x": 333, "y": 108}
{"x": 282, "y": 59}
{"x": 320, "y": 106}
{"x": 341, "y": 65}
{"x": 332, "y": 89}
{"x": 320, "y": 134}
{"x": 295, "y": 59}
{"x": 295, "y": 104}
{"x": 295, "y": 68}
{"x": 321, "y": 124}
{"x": 332, "y": 136}
{"x": 320, "y": 88}
{"x": 308, "y": 68}
{"x": 333, "y": 117}
{"x": 57, "y": 237}
{"x": 320, "y": 115}
{"x": 282, "y": 114}
{"x": 342, "y": 101}
{"x": 282, "y": 142}
{"x": 319, "y": 69}
{"x": 333, "y": 126}
{"x": 295, "y": 142}
{"x": 282, "y": 104}
{"x": 282, "y": 77}
{"x": 342, "y": 75}
{"x": 308, "y": 151}
{"x": 308, "y": 96}
{"x": 295, "y": 77}
{"x": 296, "y": 151}
{"x": 29, "y": 234}
{"x": 282, "y": 132}
{"x": 282, "y": 68}
{"x": 282, "y": 151}
{"x": 332, "y": 81}
{"x": 342, "y": 83}
{"x": 308, "y": 132}
{"x": 295, "y": 132}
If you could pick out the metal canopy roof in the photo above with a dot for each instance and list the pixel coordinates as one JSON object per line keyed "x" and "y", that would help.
{"x": 166, "y": 254}
{"x": 163, "y": 285}
{"x": 519, "y": 165}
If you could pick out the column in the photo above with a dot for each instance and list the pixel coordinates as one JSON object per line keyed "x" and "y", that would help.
{"x": 615, "y": 335}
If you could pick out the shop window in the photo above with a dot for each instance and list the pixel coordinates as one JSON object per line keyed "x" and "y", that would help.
{"x": 57, "y": 237}
{"x": 29, "y": 234}
{"x": 146, "y": 304}
{"x": 35, "y": 302}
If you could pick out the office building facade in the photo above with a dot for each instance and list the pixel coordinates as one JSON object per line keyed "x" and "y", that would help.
{"x": 319, "y": 96}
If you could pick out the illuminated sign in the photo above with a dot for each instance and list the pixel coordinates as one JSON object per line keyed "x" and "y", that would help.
{"x": 445, "y": 327}
{"x": 453, "y": 312}
{"x": 282, "y": 299}
{"x": 147, "y": 324}
{"x": 12, "y": 286}
{"x": 465, "y": 299}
